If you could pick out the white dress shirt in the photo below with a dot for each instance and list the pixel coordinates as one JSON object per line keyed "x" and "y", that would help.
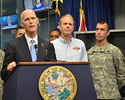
{"x": 29, "y": 40}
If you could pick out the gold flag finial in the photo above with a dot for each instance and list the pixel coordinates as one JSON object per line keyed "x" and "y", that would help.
{"x": 57, "y": 10}
{"x": 57, "y": 1}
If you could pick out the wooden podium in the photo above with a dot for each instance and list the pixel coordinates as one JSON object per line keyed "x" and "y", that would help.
{"x": 23, "y": 82}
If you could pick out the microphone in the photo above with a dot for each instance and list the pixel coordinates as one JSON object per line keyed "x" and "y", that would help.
{"x": 47, "y": 56}
{"x": 36, "y": 49}
{"x": 51, "y": 59}
{"x": 46, "y": 53}
{"x": 35, "y": 46}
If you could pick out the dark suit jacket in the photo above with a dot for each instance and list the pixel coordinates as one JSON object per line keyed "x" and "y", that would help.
{"x": 17, "y": 50}
{"x": 9, "y": 25}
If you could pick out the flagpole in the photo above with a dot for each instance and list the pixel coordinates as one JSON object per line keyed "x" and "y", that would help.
{"x": 81, "y": 4}
{"x": 48, "y": 17}
{"x": 80, "y": 9}
{"x": 57, "y": 11}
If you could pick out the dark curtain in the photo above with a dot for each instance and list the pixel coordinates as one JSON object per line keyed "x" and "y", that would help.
{"x": 72, "y": 7}
{"x": 94, "y": 10}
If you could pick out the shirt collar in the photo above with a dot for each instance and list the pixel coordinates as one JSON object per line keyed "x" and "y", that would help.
{"x": 61, "y": 39}
{"x": 29, "y": 39}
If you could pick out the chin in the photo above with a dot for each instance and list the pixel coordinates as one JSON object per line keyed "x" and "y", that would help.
{"x": 98, "y": 39}
{"x": 32, "y": 30}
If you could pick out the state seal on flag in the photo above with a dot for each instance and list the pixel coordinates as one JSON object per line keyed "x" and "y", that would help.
{"x": 57, "y": 83}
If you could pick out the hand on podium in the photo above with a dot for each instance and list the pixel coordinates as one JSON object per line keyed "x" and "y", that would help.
{"x": 11, "y": 66}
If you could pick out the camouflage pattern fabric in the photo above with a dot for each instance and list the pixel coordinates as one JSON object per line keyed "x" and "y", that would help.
{"x": 107, "y": 66}
{"x": 1, "y": 81}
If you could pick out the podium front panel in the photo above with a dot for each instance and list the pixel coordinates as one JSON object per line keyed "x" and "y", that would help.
{"x": 23, "y": 83}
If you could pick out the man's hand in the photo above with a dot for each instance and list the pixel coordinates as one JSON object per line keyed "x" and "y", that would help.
{"x": 11, "y": 66}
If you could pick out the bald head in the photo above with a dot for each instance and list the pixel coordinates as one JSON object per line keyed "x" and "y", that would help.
{"x": 25, "y": 12}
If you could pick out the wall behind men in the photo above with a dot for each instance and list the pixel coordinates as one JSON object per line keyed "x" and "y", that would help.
{"x": 7, "y": 9}
{"x": 45, "y": 25}
{"x": 43, "y": 29}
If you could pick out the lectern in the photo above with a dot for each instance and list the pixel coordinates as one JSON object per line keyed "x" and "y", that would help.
{"x": 23, "y": 83}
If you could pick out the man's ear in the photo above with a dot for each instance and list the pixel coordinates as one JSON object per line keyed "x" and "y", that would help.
{"x": 21, "y": 23}
{"x": 108, "y": 33}
{"x": 59, "y": 27}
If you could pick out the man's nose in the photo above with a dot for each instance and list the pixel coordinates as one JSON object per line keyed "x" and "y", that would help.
{"x": 67, "y": 25}
{"x": 30, "y": 20}
{"x": 98, "y": 31}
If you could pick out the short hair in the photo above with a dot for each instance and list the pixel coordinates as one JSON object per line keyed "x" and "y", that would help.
{"x": 55, "y": 30}
{"x": 103, "y": 22}
{"x": 60, "y": 21}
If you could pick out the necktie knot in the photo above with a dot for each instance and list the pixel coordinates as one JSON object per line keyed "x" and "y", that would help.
{"x": 32, "y": 41}
{"x": 33, "y": 51}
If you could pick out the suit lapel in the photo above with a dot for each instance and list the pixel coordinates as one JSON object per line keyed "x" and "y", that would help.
{"x": 41, "y": 50}
{"x": 25, "y": 49}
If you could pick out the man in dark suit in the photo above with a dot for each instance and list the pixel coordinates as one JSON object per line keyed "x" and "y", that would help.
{"x": 18, "y": 50}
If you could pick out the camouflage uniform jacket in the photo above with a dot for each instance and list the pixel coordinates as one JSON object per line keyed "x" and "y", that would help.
{"x": 1, "y": 64}
{"x": 107, "y": 66}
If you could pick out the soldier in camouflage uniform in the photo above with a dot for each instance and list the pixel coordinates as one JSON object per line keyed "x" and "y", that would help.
{"x": 1, "y": 81}
{"x": 107, "y": 64}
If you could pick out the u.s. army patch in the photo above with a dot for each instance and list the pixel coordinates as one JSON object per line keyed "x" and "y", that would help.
{"x": 57, "y": 83}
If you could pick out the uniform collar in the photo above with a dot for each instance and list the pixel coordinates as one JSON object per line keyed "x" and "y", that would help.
{"x": 100, "y": 49}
